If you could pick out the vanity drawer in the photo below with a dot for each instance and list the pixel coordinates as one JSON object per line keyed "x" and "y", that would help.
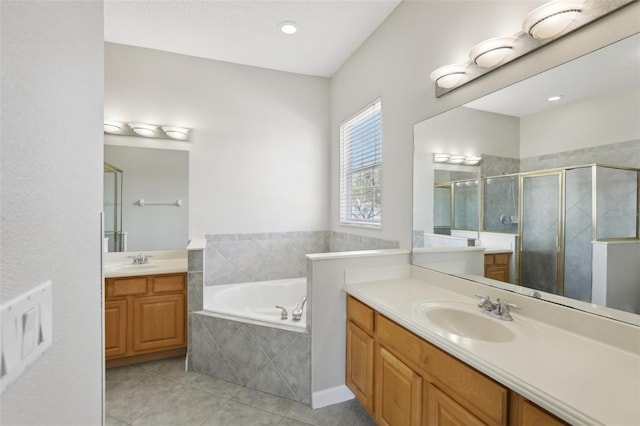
{"x": 169, "y": 283}
{"x": 360, "y": 314}
{"x": 485, "y": 398}
{"x": 129, "y": 286}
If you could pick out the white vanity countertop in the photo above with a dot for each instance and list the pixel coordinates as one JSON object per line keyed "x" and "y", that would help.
{"x": 579, "y": 379}
{"x": 160, "y": 262}
{"x": 495, "y": 250}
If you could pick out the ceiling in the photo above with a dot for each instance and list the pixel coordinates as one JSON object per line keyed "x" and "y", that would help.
{"x": 247, "y": 31}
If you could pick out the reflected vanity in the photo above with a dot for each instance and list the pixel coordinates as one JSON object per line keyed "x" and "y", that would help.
{"x": 556, "y": 191}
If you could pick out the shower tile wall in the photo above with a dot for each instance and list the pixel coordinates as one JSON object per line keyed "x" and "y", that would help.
{"x": 263, "y": 358}
{"x": 236, "y": 258}
{"x": 617, "y": 192}
{"x": 493, "y": 165}
{"x": 501, "y": 204}
{"x": 619, "y": 154}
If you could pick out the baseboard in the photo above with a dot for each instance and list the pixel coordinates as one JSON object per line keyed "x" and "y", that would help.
{"x": 331, "y": 396}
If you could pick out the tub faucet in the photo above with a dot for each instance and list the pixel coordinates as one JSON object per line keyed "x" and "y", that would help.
{"x": 283, "y": 313}
{"x": 297, "y": 312}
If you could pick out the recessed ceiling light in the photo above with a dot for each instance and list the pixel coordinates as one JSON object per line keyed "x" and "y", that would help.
{"x": 288, "y": 27}
{"x": 554, "y": 98}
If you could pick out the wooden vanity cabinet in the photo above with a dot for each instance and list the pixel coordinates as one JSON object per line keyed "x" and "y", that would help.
{"x": 496, "y": 266}
{"x": 403, "y": 380}
{"x": 360, "y": 352}
{"x": 145, "y": 318}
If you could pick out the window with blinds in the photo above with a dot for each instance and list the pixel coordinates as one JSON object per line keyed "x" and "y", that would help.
{"x": 361, "y": 167}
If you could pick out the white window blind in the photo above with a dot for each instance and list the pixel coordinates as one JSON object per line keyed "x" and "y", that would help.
{"x": 361, "y": 167}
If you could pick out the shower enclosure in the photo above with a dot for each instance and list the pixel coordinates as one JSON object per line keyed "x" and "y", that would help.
{"x": 557, "y": 215}
{"x": 115, "y": 239}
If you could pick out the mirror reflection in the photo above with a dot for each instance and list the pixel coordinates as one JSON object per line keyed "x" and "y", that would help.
{"x": 146, "y": 194}
{"x": 554, "y": 201}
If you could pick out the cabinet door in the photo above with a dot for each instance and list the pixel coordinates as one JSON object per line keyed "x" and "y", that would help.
{"x": 442, "y": 410}
{"x": 499, "y": 273}
{"x": 398, "y": 392}
{"x": 532, "y": 415}
{"x": 115, "y": 328}
{"x": 360, "y": 365}
{"x": 159, "y": 322}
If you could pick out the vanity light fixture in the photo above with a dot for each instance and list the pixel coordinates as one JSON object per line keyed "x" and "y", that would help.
{"x": 469, "y": 160}
{"x": 142, "y": 129}
{"x": 492, "y": 52}
{"x": 450, "y": 76}
{"x": 440, "y": 158}
{"x": 542, "y": 25}
{"x": 112, "y": 126}
{"x": 551, "y": 19}
{"x": 472, "y": 160}
{"x": 155, "y": 131}
{"x": 176, "y": 132}
{"x": 288, "y": 27}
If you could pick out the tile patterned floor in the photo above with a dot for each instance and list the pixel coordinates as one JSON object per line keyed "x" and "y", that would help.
{"x": 161, "y": 393}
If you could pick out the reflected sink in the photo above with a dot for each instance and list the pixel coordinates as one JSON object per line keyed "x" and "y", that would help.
{"x": 464, "y": 322}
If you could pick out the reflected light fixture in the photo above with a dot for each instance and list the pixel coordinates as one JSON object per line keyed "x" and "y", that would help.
{"x": 288, "y": 27}
{"x": 143, "y": 129}
{"x": 469, "y": 160}
{"x": 551, "y": 19}
{"x": 440, "y": 158}
{"x": 456, "y": 159}
{"x": 450, "y": 76}
{"x": 472, "y": 160}
{"x": 555, "y": 98}
{"x": 492, "y": 52}
{"x": 176, "y": 132}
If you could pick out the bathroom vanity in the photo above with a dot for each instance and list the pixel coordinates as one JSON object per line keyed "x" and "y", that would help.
{"x": 420, "y": 352}
{"x": 145, "y": 313}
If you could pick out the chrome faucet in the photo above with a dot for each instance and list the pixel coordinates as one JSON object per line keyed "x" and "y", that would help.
{"x": 140, "y": 259}
{"x": 297, "y": 312}
{"x": 500, "y": 310}
{"x": 283, "y": 313}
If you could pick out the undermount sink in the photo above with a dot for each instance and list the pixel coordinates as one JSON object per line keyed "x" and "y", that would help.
{"x": 462, "y": 321}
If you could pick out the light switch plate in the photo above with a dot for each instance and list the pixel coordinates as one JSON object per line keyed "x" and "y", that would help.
{"x": 25, "y": 332}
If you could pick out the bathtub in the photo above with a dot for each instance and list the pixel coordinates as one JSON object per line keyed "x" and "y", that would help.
{"x": 255, "y": 302}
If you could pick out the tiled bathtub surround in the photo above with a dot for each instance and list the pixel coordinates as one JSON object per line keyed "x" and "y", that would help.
{"x": 267, "y": 359}
{"x": 238, "y": 258}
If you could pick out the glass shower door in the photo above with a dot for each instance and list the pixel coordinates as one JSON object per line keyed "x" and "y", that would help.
{"x": 541, "y": 233}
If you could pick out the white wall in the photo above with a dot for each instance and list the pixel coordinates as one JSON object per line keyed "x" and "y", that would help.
{"x": 52, "y": 86}
{"x": 259, "y": 155}
{"x": 579, "y": 124}
{"x": 395, "y": 63}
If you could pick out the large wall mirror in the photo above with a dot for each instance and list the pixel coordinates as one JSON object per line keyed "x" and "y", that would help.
{"x": 554, "y": 200}
{"x": 146, "y": 198}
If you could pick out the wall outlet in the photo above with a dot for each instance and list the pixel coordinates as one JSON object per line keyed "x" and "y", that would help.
{"x": 25, "y": 332}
